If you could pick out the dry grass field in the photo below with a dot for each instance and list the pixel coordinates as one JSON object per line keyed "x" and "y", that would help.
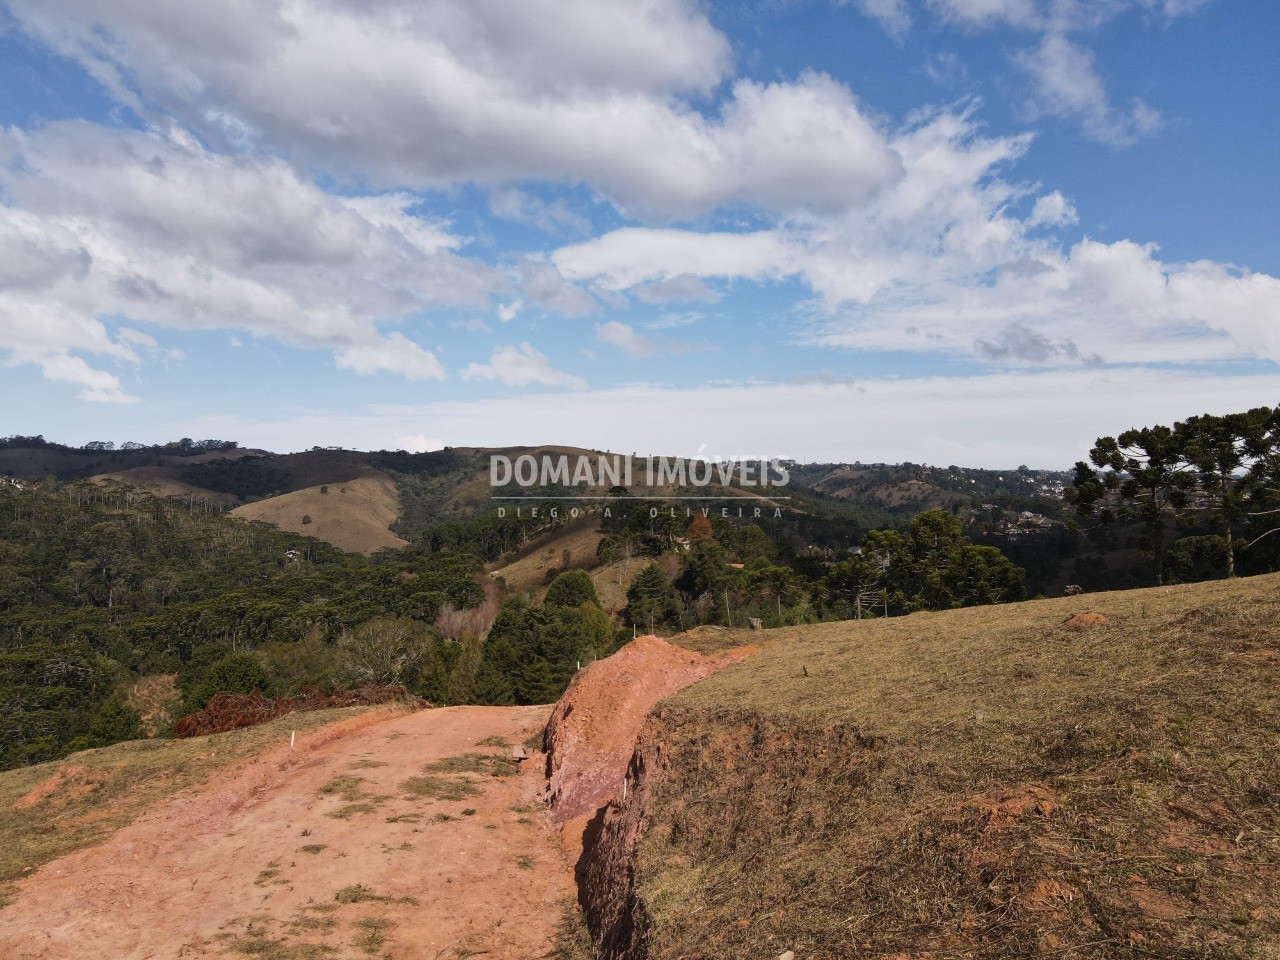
{"x": 978, "y": 783}
{"x": 355, "y": 515}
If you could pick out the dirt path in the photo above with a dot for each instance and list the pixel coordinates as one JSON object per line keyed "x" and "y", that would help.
{"x": 287, "y": 860}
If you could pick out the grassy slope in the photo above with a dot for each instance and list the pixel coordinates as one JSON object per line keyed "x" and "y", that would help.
{"x": 89, "y": 795}
{"x": 980, "y": 783}
{"x": 355, "y": 515}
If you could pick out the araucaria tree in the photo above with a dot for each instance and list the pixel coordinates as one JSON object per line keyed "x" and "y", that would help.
{"x": 1225, "y": 466}
{"x": 1141, "y": 474}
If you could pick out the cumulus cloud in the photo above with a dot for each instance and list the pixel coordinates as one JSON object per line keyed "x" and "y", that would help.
{"x": 521, "y": 366}
{"x": 939, "y": 263}
{"x": 99, "y": 222}
{"x": 395, "y": 354}
{"x": 425, "y": 94}
{"x": 1066, "y": 85}
{"x": 1053, "y": 209}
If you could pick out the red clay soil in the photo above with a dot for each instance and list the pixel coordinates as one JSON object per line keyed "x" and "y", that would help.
{"x": 593, "y": 729}
{"x": 272, "y": 860}
{"x": 1082, "y": 620}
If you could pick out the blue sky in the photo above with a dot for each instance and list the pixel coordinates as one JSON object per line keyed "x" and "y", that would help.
{"x": 953, "y": 231}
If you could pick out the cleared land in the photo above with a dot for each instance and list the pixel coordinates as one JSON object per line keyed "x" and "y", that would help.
{"x": 355, "y": 515}
{"x": 409, "y": 835}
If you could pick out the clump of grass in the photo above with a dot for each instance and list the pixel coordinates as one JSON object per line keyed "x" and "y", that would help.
{"x": 362, "y": 894}
{"x": 313, "y": 848}
{"x": 469, "y": 812}
{"x": 344, "y": 788}
{"x": 438, "y": 788}
{"x": 573, "y": 938}
{"x": 494, "y": 741}
{"x": 524, "y": 863}
{"x": 259, "y": 941}
{"x": 372, "y": 933}
{"x": 480, "y": 763}
{"x": 442, "y": 818}
{"x": 265, "y": 877}
{"x": 351, "y": 810}
{"x": 405, "y": 818}
{"x": 315, "y": 923}
{"x": 366, "y": 764}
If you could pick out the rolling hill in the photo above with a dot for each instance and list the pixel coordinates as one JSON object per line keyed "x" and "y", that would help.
{"x": 355, "y": 515}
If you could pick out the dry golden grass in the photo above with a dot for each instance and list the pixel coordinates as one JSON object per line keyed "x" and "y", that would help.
{"x": 355, "y": 515}
{"x": 87, "y": 796}
{"x": 979, "y": 783}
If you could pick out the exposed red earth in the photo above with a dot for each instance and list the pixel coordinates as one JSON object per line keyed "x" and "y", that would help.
{"x": 325, "y": 850}
{"x": 271, "y": 854}
{"x": 593, "y": 729}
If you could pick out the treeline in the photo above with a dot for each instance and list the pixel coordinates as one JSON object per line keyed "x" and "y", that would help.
{"x": 184, "y": 447}
{"x": 731, "y": 575}
{"x": 1219, "y": 474}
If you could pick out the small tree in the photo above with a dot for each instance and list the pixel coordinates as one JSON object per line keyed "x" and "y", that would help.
{"x": 651, "y": 599}
{"x": 700, "y": 528}
{"x": 571, "y": 589}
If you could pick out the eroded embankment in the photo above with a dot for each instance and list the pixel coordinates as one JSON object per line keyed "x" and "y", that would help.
{"x": 593, "y": 729}
{"x": 704, "y": 794}
{"x": 983, "y": 784}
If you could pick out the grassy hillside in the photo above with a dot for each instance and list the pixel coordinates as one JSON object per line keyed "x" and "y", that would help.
{"x": 976, "y": 783}
{"x": 355, "y": 516}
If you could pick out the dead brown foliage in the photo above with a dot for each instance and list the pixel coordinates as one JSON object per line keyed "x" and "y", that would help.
{"x": 231, "y": 711}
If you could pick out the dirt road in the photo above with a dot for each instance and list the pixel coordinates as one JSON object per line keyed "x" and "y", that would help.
{"x": 348, "y": 848}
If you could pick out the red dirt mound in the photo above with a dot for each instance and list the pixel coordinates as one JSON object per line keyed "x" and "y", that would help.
{"x": 1079, "y": 620}
{"x": 593, "y": 729}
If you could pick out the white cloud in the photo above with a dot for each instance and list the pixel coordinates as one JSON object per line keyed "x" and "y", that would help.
{"x": 101, "y": 222}
{"x": 509, "y": 311}
{"x": 544, "y": 285}
{"x": 427, "y": 94}
{"x": 929, "y": 420}
{"x": 395, "y": 354}
{"x": 634, "y": 255}
{"x": 418, "y": 443}
{"x": 1052, "y": 209}
{"x": 510, "y": 203}
{"x": 98, "y": 385}
{"x": 940, "y": 264}
{"x": 893, "y": 15}
{"x": 981, "y": 13}
{"x": 683, "y": 287}
{"x": 625, "y": 338}
{"x": 1065, "y": 84}
{"x": 521, "y": 366}
{"x": 1053, "y": 15}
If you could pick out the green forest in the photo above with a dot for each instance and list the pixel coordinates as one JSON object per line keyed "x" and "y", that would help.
{"x": 102, "y": 584}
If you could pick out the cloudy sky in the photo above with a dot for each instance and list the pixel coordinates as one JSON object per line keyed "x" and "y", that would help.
{"x": 955, "y": 231}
